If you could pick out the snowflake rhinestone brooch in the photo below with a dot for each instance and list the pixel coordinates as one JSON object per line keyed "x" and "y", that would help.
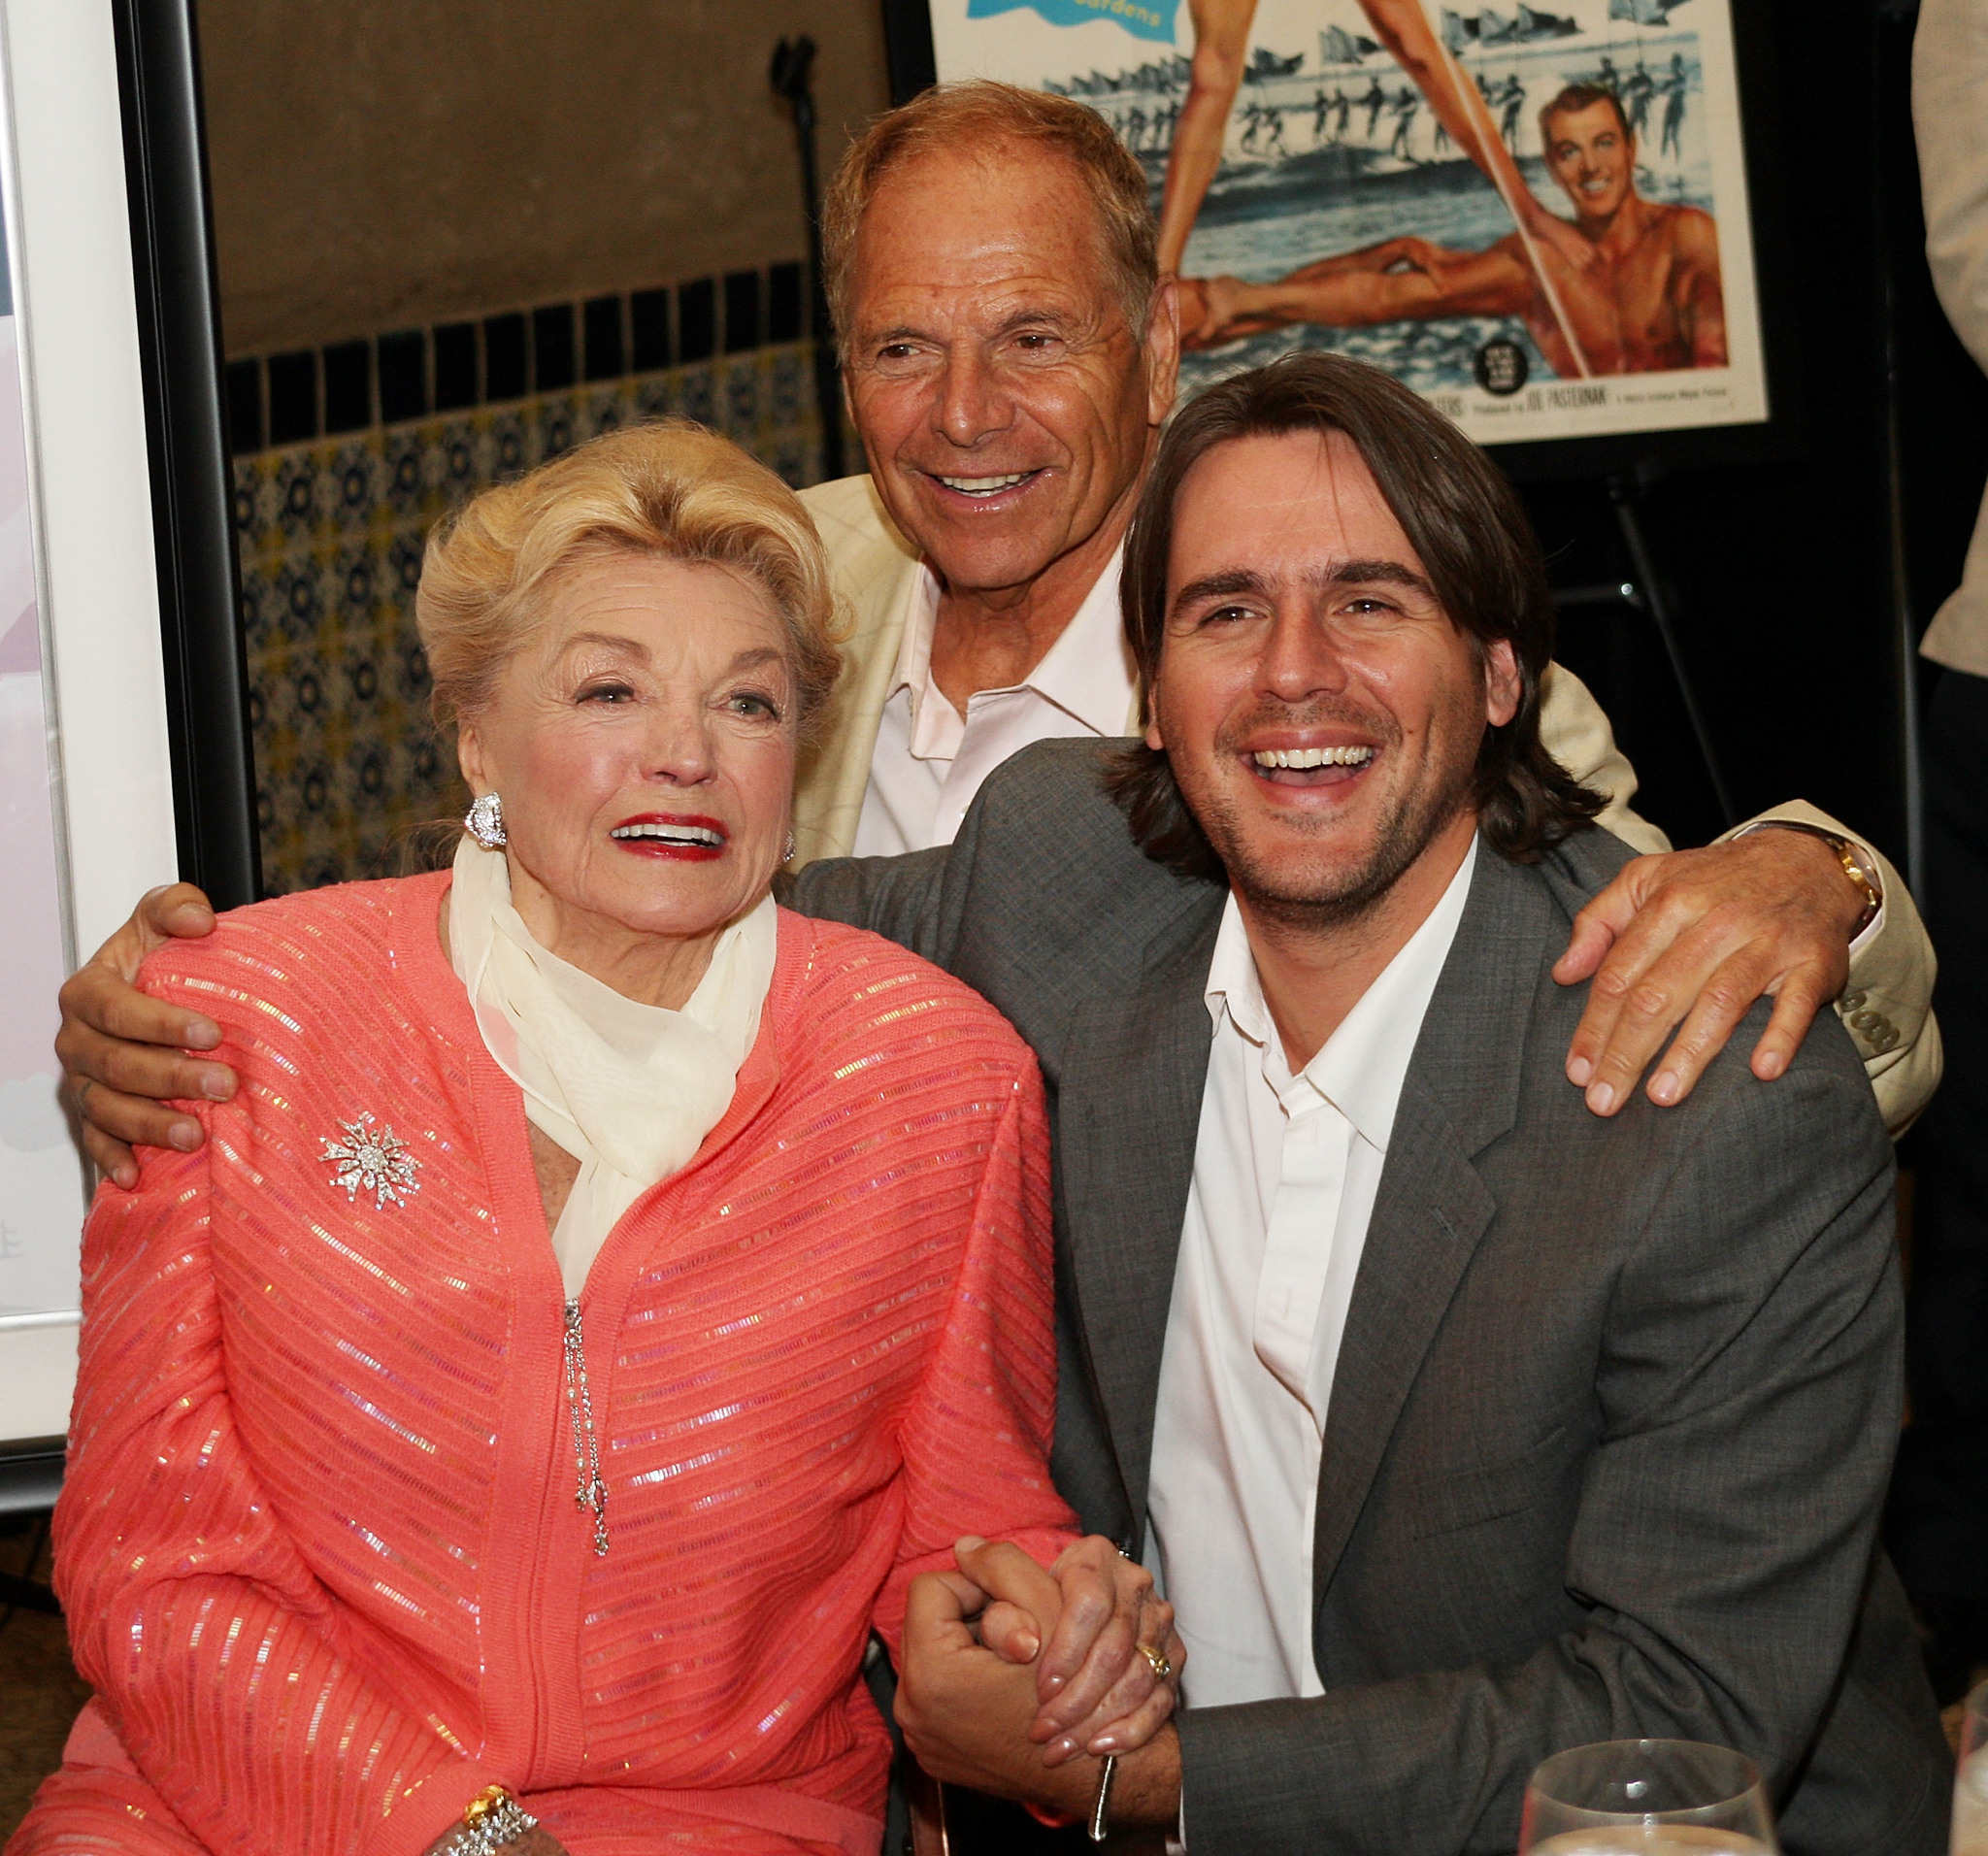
{"x": 378, "y": 1162}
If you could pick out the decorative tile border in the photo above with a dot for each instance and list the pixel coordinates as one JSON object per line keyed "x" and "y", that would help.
{"x": 331, "y": 532}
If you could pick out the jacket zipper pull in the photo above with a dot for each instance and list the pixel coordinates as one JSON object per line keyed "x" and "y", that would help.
{"x": 590, "y": 1493}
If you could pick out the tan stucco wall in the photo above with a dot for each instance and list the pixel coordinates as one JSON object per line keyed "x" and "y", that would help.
{"x": 385, "y": 163}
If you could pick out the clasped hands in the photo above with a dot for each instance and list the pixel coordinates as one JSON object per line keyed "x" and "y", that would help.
{"x": 1018, "y": 1680}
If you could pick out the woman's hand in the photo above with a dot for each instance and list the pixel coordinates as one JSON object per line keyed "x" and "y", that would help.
{"x": 1087, "y": 1622}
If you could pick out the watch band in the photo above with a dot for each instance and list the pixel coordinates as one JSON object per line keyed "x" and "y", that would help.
{"x": 1847, "y": 854}
{"x": 490, "y": 1820}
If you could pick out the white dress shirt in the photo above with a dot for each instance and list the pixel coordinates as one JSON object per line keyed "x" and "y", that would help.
{"x": 930, "y": 760}
{"x": 1285, "y": 1173}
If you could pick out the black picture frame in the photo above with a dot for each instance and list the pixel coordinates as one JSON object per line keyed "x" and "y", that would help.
{"x": 180, "y": 355}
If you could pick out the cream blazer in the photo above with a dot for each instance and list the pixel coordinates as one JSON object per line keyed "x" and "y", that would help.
{"x": 1887, "y": 1007}
{"x": 1949, "y": 110}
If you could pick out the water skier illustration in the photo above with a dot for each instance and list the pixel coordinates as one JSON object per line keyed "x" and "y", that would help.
{"x": 1628, "y": 286}
{"x": 1642, "y": 296}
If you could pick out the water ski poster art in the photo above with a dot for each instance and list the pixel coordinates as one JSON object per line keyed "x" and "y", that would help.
{"x": 1539, "y": 220}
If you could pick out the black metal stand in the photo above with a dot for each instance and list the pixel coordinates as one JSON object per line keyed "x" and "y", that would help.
{"x": 1644, "y": 592}
{"x": 791, "y": 75}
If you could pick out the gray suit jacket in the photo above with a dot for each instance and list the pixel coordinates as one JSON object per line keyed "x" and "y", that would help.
{"x": 1615, "y": 1403}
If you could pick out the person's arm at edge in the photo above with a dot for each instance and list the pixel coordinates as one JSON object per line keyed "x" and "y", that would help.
{"x": 1665, "y": 954}
{"x": 128, "y": 1059}
{"x": 1949, "y": 95}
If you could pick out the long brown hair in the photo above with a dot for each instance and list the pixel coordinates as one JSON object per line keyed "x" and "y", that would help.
{"x": 1462, "y": 518}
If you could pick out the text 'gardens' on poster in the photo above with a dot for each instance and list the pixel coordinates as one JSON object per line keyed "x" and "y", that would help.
{"x": 1537, "y": 220}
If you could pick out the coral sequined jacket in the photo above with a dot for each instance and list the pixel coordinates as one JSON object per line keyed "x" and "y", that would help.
{"x": 319, "y": 1541}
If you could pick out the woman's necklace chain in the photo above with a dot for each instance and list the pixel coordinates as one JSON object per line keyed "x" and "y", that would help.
{"x": 590, "y": 1493}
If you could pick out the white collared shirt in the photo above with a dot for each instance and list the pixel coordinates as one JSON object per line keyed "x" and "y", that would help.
{"x": 1285, "y": 1173}
{"x": 930, "y": 760}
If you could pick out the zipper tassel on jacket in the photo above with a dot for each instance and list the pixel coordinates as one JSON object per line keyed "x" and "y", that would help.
{"x": 589, "y": 1492}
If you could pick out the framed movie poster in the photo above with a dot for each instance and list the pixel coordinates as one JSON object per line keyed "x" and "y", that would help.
{"x": 1539, "y": 220}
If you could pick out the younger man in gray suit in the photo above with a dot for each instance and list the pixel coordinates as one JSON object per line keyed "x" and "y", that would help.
{"x": 1458, "y": 1424}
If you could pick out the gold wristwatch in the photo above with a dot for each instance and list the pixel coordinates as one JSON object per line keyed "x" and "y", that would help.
{"x": 1849, "y": 855}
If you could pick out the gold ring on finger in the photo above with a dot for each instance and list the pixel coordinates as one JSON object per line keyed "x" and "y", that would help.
{"x": 1162, "y": 1664}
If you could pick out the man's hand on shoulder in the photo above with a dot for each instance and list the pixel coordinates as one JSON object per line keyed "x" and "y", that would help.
{"x": 1687, "y": 941}
{"x": 125, "y": 1055}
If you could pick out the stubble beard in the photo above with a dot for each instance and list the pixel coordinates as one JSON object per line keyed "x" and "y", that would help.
{"x": 1341, "y": 894}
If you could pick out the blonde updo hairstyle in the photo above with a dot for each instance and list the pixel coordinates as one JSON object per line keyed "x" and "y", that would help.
{"x": 668, "y": 489}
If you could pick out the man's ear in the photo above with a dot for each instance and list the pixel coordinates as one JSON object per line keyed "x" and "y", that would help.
{"x": 1502, "y": 685}
{"x": 1163, "y": 352}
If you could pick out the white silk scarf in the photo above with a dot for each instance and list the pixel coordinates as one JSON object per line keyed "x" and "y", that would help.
{"x": 629, "y": 1090}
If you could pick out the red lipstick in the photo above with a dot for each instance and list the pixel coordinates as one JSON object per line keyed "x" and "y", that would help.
{"x": 685, "y": 838}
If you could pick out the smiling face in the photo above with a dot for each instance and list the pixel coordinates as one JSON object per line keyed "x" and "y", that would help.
{"x": 1321, "y": 714}
{"x": 1593, "y": 157}
{"x": 1005, "y": 403}
{"x": 644, "y": 744}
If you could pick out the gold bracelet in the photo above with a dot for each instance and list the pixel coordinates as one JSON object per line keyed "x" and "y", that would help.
{"x": 1099, "y": 1827}
{"x": 490, "y": 1820}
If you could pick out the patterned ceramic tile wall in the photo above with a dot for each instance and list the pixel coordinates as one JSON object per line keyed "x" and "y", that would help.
{"x": 331, "y": 536}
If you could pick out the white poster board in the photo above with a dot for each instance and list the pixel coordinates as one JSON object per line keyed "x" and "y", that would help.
{"x": 85, "y": 768}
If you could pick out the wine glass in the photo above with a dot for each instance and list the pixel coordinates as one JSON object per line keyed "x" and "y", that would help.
{"x": 1970, "y": 1782}
{"x": 1651, "y": 1797}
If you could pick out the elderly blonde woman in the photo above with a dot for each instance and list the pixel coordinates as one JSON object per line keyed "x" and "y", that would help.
{"x": 604, "y": 1295}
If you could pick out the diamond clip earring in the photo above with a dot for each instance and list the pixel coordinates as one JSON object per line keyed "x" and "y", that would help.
{"x": 485, "y": 821}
